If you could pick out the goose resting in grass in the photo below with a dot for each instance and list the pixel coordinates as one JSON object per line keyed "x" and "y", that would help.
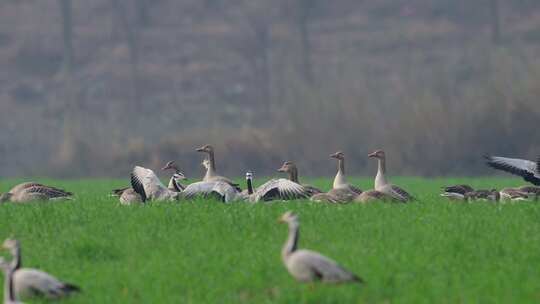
{"x": 274, "y": 189}
{"x": 146, "y": 183}
{"x": 31, "y": 191}
{"x": 528, "y": 170}
{"x": 467, "y": 193}
{"x": 211, "y": 175}
{"x": 309, "y": 266}
{"x": 341, "y": 192}
{"x": 290, "y": 168}
{"x": 28, "y": 282}
{"x": 374, "y": 196}
{"x": 382, "y": 184}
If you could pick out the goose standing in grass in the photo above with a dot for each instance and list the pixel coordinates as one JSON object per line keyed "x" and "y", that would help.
{"x": 211, "y": 175}
{"x": 28, "y": 282}
{"x": 31, "y": 191}
{"x": 382, "y": 184}
{"x": 342, "y": 191}
{"x": 309, "y": 266}
{"x": 528, "y": 170}
{"x": 290, "y": 168}
{"x": 274, "y": 189}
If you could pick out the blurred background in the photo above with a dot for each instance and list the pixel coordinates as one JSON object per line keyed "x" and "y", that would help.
{"x": 92, "y": 87}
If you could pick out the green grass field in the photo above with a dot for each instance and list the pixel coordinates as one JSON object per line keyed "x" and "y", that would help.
{"x": 429, "y": 251}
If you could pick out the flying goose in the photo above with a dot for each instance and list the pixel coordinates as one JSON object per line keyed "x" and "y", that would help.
{"x": 211, "y": 175}
{"x": 382, "y": 184}
{"x": 9, "y": 294}
{"x": 306, "y": 265}
{"x": 290, "y": 168}
{"x": 528, "y": 170}
{"x": 274, "y": 189}
{"x": 29, "y": 282}
{"x": 31, "y": 191}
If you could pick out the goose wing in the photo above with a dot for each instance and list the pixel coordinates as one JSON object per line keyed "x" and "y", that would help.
{"x": 400, "y": 193}
{"x": 44, "y": 191}
{"x": 461, "y": 189}
{"x": 323, "y": 268}
{"x": 145, "y": 182}
{"x": 281, "y": 189}
{"x": 221, "y": 190}
{"x": 32, "y": 282}
{"x": 529, "y": 170}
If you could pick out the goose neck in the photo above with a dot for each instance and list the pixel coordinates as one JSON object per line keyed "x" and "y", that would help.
{"x": 339, "y": 180}
{"x": 380, "y": 179}
{"x": 249, "y": 186}
{"x": 293, "y": 175}
{"x": 292, "y": 241}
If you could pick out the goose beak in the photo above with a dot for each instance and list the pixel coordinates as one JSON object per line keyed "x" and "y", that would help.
{"x": 282, "y": 169}
{"x": 165, "y": 168}
{"x": 333, "y": 155}
{"x": 374, "y": 154}
{"x": 199, "y": 149}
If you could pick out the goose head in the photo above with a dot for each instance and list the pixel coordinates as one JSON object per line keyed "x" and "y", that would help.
{"x": 4, "y": 197}
{"x": 288, "y": 217}
{"x": 338, "y": 155}
{"x": 287, "y": 167}
{"x": 377, "y": 154}
{"x": 12, "y": 245}
{"x": 249, "y": 175}
{"x": 170, "y": 165}
{"x": 206, "y": 149}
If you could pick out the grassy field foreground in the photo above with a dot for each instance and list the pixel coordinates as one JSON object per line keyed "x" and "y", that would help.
{"x": 430, "y": 251}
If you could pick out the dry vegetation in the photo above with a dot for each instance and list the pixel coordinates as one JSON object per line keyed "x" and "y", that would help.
{"x": 267, "y": 81}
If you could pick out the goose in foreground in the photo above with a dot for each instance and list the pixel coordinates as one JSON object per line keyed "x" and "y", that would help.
{"x": 28, "y": 282}
{"x": 528, "y": 170}
{"x": 9, "y": 294}
{"x": 211, "y": 175}
{"x": 31, "y": 191}
{"x": 382, "y": 184}
{"x": 274, "y": 189}
{"x": 309, "y": 266}
{"x": 290, "y": 168}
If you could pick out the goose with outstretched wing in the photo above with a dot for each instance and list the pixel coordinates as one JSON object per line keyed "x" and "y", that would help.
{"x": 527, "y": 169}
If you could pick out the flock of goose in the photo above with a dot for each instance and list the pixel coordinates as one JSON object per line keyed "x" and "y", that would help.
{"x": 303, "y": 265}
